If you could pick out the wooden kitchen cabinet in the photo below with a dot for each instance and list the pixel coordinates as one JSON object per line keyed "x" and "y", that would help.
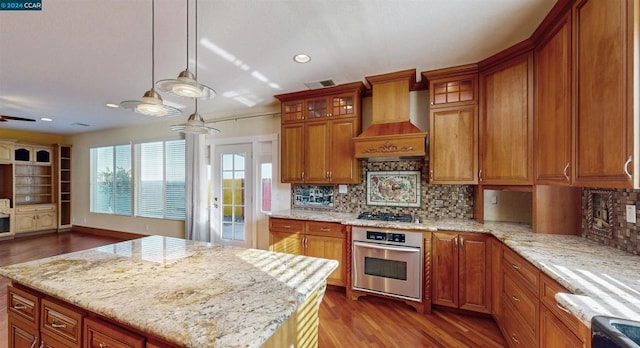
{"x": 461, "y": 267}
{"x": 506, "y": 122}
{"x": 6, "y": 153}
{"x": 293, "y": 154}
{"x": 552, "y": 124}
{"x": 311, "y": 238}
{"x": 553, "y": 333}
{"x": 453, "y": 125}
{"x": 33, "y": 154}
{"x": 21, "y": 335}
{"x": 520, "y": 304}
{"x": 37, "y": 217}
{"x": 98, "y": 334}
{"x": 603, "y": 38}
{"x": 317, "y": 144}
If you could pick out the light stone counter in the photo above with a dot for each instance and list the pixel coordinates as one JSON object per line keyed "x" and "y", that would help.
{"x": 604, "y": 280}
{"x": 190, "y": 293}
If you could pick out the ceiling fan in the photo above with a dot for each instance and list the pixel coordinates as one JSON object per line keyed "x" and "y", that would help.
{"x": 4, "y": 118}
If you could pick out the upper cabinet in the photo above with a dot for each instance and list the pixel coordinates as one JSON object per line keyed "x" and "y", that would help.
{"x": 6, "y": 152}
{"x": 453, "y": 125}
{"x": 32, "y": 154}
{"x": 604, "y": 42}
{"x": 553, "y": 129}
{"x": 318, "y": 127}
{"x": 506, "y": 122}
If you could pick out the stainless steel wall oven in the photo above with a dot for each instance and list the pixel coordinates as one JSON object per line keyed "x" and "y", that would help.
{"x": 388, "y": 262}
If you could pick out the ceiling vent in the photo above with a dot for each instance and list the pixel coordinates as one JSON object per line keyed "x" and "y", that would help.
{"x": 320, "y": 84}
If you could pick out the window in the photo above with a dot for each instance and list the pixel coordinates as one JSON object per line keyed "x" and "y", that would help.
{"x": 111, "y": 180}
{"x": 160, "y": 179}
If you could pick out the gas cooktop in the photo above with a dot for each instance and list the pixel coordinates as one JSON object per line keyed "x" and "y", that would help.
{"x": 385, "y": 217}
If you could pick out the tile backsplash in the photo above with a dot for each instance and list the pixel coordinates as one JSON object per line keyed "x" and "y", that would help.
{"x": 624, "y": 235}
{"x": 437, "y": 201}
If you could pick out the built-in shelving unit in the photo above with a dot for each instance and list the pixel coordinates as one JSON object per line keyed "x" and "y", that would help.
{"x": 64, "y": 189}
{"x": 33, "y": 184}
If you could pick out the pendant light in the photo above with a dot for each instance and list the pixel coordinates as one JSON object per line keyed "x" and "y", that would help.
{"x": 151, "y": 103}
{"x": 194, "y": 125}
{"x": 195, "y": 122}
{"x": 186, "y": 84}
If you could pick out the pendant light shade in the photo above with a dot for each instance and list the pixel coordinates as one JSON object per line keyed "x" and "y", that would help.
{"x": 195, "y": 125}
{"x": 151, "y": 103}
{"x": 186, "y": 84}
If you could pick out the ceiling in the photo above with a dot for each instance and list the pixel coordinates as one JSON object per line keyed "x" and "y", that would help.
{"x": 69, "y": 60}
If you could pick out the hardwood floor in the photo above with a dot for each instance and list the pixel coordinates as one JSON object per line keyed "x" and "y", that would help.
{"x": 367, "y": 322}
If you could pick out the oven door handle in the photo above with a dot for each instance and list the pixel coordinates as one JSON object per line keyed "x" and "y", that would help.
{"x": 386, "y": 247}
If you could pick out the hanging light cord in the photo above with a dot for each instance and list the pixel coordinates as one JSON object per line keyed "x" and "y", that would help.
{"x": 196, "y": 48}
{"x": 187, "y": 35}
{"x": 153, "y": 43}
{"x": 196, "y": 68}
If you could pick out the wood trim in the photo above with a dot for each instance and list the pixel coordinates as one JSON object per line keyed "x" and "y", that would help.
{"x": 347, "y": 87}
{"x": 449, "y": 72}
{"x": 521, "y": 48}
{"x": 106, "y": 233}
{"x": 559, "y": 10}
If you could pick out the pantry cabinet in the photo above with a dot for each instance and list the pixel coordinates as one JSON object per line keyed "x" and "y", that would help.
{"x": 506, "y": 122}
{"x": 453, "y": 125}
{"x": 317, "y": 139}
{"x": 461, "y": 267}
{"x": 311, "y": 238}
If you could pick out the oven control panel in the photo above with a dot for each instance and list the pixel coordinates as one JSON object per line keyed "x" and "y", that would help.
{"x": 384, "y": 236}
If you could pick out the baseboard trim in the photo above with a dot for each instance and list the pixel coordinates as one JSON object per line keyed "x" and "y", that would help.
{"x": 106, "y": 233}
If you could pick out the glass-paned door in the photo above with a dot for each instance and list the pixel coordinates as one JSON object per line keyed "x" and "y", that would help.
{"x": 232, "y": 194}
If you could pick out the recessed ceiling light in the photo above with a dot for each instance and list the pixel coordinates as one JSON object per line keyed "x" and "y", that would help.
{"x": 46, "y": 119}
{"x": 112, "y": 105}
{"x": 301, "y": 58}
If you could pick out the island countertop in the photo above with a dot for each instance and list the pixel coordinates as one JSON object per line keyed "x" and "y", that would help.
{"x": 189, "y": 293}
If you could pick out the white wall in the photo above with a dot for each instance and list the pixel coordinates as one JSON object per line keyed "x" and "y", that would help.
{"x": 81, "y": 215}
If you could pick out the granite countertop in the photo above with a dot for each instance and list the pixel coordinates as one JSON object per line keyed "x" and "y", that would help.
{"x": 603, "y": 280}
{"x": 191, "y": 293}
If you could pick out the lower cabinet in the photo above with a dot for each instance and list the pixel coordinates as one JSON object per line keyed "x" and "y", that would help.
{"x": 35, "y": 320}
{"x": 557, "y": 326}
{"x": 21, "y": 334}
{"x": 554, "y": 333}
{"x": 37, "y": 217}
{"x": 98, "y": 334}
{"x": 311, "y": 238}
{"x": 461, "y": 267}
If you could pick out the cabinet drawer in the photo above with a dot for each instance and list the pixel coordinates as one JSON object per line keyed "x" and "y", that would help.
{"x": 548, "y": 290}
{"x": 46, "y": 341}
{"x": 61, "y": 322}
{"x": 516, "y": 332}
{"x": 23, "y": 304}
{"x": 99, "y": 334}
{"x": 286, "y": 225}
{"x": 36, "y": 208}
{"x": 525, "y": 271}
{"x": 523, "y": 303}
{"x": 325, "y": 229}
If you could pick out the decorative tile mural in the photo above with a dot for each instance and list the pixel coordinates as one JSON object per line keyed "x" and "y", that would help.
{"x": 393, "y": 188}
{"x": 624, "y": 235}
{"x": 312, "y": 196}
{"x": 436, "y": 201}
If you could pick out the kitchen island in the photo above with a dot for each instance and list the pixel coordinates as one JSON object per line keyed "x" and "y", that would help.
{"x": 184, "y": 293}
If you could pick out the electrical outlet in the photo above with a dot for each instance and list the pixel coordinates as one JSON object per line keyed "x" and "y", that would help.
{"x": 342, "y": 188}
{"x": 494, "y": 199}
{"x": 631, "y": 213}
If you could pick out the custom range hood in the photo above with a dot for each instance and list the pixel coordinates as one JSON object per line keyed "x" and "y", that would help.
{"x": 391, "y": 135}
